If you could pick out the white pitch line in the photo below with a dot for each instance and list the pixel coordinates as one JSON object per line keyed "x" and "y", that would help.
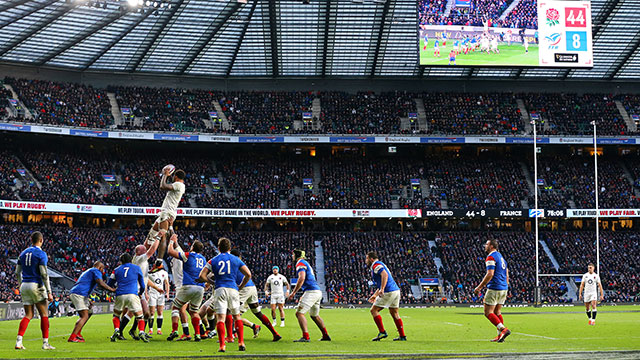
{"x": 538, "y": 336}
{"x": 450, "y": 323}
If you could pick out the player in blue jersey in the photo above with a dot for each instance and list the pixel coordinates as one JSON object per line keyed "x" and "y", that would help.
{"x": 426, "y": 41}
{"x": 436, "y": 48}
{"x": 192, "y": 289}
{"x": 225, "y": 268}
{"x": 387, "y": 295}
{"x": 444, "y": 38}
{"x": 310, "y": 299}
{"x": 79, "y": 296}
{"x": 497, "y": 282}
{"x": 456, "y": 47}
{"x": 131, "y": 284}
{"x": 249, "y": 299}
{"x": 35, "y": 289}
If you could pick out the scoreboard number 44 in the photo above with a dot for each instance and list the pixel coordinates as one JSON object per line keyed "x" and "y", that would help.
{"x": 575, "y": 17}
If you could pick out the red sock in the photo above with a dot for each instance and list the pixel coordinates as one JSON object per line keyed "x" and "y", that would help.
{"x": 116, "y": 322}
{"x": 305, "y": 335}
{"x": 265, "y": 321}
{"x": 196, "y": 325}
{"x": 399, "y": 326}
{"x": 229, "y": 323}
{"x": 378, "y": 321}
{"x": 501, "y": 320}
{"x": 240, "y": 329}
{"x": 141, "y": 325}
{"x": 23, "y": 326}
{"x": 174, "y": 326}
{"x": 495, "y": 320}
{"x": 220, "y": 328}
{"x": 73, "y": 336}
{"x": 44, "y": 327}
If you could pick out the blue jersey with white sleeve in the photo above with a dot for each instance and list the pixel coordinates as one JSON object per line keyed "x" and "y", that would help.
{"x": 310, "y": 282}
{"x": 225, "y": 268}
{"x": 193, "y": 265}
{"x": 86, "y": 282}
{"x": 30, "y": 260}
{"x": 377, "y": 268}
{"x": 497, "y": 263}
{"x": 129, "y": 279}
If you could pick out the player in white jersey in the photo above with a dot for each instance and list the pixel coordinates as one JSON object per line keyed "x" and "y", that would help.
{"x": 141, "y": 258}
{"x": 526, "y": 44}
{"x": 169, "y": 211}
{"x": 484, "y": 44}
{"x": 160, "y": 278}
{"x": 494, "y": 45}
{"x": 591, "y": 284}
{"x": 176, "y": 273}
{"x": 275, "y": 283}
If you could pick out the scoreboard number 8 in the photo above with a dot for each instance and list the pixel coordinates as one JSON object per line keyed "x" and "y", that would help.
{"x": 576, "y": 41}
{"x": 575, "y": 17}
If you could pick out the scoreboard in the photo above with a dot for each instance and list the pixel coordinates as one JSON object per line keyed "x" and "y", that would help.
{"x": 565, "y": 34}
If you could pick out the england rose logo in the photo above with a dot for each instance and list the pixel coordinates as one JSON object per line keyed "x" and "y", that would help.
{"x": 553, "y": 17}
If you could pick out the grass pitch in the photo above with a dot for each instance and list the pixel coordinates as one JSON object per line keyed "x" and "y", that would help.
{"x": 513, "y": 55}
{"x": 444, "y": 331}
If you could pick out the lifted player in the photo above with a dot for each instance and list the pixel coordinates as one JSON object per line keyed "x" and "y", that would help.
{"x": 591, "y": 284}
{"x": 35, "y": 289}
{"x": 497, "y": 281}
{"x": 386, "y": 296}
{"x": 165, "y": 219}
{"x": 310, "y": 299}
{"x": 273, "y": 287}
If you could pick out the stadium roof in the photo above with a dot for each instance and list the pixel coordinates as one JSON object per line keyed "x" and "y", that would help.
{"x": 281, "y": 38}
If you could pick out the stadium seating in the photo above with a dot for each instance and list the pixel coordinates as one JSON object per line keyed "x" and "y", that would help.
{"x": 64, "y": 103}
{"x": 466, "y": 113}
{"x": 619, "y": 259}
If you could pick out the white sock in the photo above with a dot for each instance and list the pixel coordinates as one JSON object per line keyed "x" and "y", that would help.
{"x": 19, "y": 339}
{"x": 500, "y": 326}
{"x": 45, "y": 340}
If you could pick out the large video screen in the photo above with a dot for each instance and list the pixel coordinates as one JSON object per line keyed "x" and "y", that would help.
{"x": 512, "y": 33}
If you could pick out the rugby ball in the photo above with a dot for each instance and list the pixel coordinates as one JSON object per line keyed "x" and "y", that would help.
{"x": 169, "y": 168}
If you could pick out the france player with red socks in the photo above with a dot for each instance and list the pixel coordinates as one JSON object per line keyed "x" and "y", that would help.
{"x": 35, "y": 289}
{"x": 225, "y": 268}
{"x": 386, "y": 296}
{"x": 131, "y": 284}
{"x": 497, "y": 282}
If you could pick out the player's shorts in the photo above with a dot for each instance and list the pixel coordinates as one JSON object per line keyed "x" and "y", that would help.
{"x": 226, "y": 299}
{"x": 310, "y": 302}
{"x": 248, "y": 295}
{"x": 164, "y": 216}
{"x": 80, "y": 302}
{"x": 590, "y": 296}
{"x": 156, "y": 299}
{"x": 32, "y": 293}
{"x": 452, "y": 59}
{"x": 495, "y": 297}
{"x": 129, "y": 301}
{"x": 388, "y": 300}
{"x": 191, "y": 294}
{"x": 277, "y": 299}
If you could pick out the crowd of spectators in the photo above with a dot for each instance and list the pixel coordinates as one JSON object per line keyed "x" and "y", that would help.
{"x": 619, "y": 260}
{"x": 571, "y": 179}
{"x": 486, "y": 181}
{"x": 467, "y": 114}
{"x": 66, "y": 104}
{"x": 265, "y": 112}
{"x": 166, "y": 109}
{"x": 480, "y": 13}
{"x": 365, "y": 112}
{"x": 572, "y": 114}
